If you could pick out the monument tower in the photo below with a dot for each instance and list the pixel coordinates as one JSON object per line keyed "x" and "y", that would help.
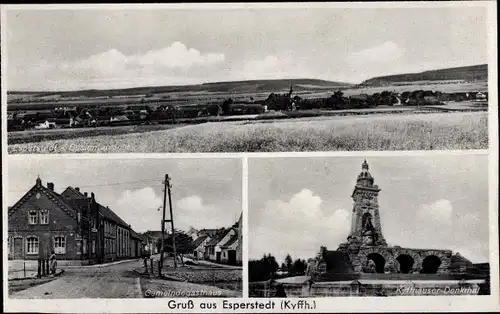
{"x": 365, "y": 225}
{"x": 367, "y": 251}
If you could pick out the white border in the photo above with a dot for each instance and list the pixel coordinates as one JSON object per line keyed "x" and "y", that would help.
{"x": 337, "y": 304}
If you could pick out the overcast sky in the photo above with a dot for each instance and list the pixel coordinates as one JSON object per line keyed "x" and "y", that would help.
{"x": 81, "y": 49}
{"x": 299, "y": 204}
{"x": 206, "y": 193}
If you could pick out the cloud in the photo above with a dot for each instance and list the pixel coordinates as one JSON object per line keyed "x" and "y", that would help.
{"x": 140, "y": 207}
{"x": 439, "y": 212}
{"x": 438, "y": 226}
{"x": 177, "y": 55}
{"x": 114, "y": 69}
{"x": 384, "y": 53}
{"x": 192, "y": 211}
{"x": 298, "y": 226}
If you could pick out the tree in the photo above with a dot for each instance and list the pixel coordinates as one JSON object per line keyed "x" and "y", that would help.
{"x": 214, "y": 110}
{"x": 288, "y": 263}
{"x": 226, "y": 106}
{"x": 183, "y": 244}
{"x": 299, "y": 267}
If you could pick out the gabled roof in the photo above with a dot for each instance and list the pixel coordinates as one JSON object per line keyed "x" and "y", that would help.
{"x": 199, "y": 240}
{"x": 71, "y": 192}
{"x": 233, "y": 239}
{"x": 78, "y": 200}
{"x": 111, "y": 215}
{"x": 135, "y": 235}
{"x": 53, "y": 196}
{"x": 219, "y": 236}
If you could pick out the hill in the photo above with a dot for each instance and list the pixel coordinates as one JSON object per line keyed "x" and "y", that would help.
{"x": 251, "y": 86}
{"x": 468, "y": 73}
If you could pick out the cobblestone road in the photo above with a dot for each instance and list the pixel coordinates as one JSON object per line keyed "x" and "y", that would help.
{"x": 113, "y": 281}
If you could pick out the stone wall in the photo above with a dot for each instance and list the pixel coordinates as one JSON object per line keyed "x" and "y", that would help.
{"x": 391, "y": 254}
{"x": 360, "y": 288}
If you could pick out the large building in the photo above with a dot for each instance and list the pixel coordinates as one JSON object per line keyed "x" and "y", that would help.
{"x": 72, "y": 224}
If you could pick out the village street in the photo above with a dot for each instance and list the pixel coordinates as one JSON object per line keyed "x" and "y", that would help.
{"x": 112, "y": 281}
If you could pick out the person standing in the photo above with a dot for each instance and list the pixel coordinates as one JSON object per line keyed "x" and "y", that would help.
{"x": 53, "y": 263}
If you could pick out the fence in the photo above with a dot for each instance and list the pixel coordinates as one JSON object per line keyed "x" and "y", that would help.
{"x": 29, "y": 269}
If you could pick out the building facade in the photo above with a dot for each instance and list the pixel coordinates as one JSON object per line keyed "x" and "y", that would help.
{"x": 72, "y": 224}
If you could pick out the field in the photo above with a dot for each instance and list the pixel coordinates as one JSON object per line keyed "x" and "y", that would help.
{"x": 33, "y": 136}
{"x": 460, "y": 130}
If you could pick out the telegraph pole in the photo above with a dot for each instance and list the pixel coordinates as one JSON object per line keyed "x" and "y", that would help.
{"x": 167, "y": 179}
{"x": 162, "y": 249}
{"x": 166, "y": 190}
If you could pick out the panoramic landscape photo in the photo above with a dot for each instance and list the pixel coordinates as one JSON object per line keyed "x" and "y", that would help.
{"x": 240, "y": 80}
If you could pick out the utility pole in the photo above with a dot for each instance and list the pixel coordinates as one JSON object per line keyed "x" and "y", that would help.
{"x": 167, "y": 178}
{"x": 166, "y": 190}
{"x": 162, "y": 249}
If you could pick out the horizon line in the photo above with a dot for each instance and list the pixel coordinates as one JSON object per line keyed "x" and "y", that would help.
{"x": 235, "y": 81}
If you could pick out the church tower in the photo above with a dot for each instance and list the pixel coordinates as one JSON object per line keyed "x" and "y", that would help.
{"x": 365, "y": 225}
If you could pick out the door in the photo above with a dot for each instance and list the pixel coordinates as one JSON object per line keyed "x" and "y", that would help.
{"x": 18, "y": 249}
{"x": 231, "y": 257}
{"x": 218, "y": 257}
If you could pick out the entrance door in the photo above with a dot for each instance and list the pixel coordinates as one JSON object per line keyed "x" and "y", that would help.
{"x": 18, "y": 249}
{"x": 231, "y": 259}
{"x": 218, "y": 257}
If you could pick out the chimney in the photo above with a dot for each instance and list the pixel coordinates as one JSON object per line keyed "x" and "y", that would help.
{"x": 77, "y": 189}
{"x": 85, "y": 194}
{"x": 50, "y": 186}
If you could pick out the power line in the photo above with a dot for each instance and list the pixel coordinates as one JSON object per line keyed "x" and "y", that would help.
{"x": 110, "y": 184}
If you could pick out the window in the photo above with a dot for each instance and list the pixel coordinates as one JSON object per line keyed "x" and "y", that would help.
{"x": 32, "y": 245}
{"x": 93, "y": 246}
{"x": 44, "y": 217}
{"x": 60, "y": 245}
{"x": 32, "y": 217}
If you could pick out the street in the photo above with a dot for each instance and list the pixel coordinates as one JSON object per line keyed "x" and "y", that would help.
{"x": 113, "y": 281}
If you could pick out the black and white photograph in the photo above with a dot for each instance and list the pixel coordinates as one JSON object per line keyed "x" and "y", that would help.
{"x": 92, "y": 228}
{"x": 380, "y": 226}
{"x": 250, "y": 157}
{"x": 270, "y": 79}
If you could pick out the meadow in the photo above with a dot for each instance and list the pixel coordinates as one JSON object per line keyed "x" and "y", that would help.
{"x": 430, "y": 131}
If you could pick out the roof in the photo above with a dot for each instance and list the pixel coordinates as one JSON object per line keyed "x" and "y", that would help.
{"x": 111, "y": 215}
{"x": 135, "y": 235}
{"x": 233, "y": 239}
{"x": 78, "y": 199}
{"x": 219, "y": 236}
{"x": 72, "y": 193}
{"x": 53, "y": 196}
{"x": 199, "y": 240}
{"x": 294, "y": 280}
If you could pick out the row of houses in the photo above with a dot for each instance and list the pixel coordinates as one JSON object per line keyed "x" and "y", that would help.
{"x": 223, "y": 245}
{"x": 72, "y": 224}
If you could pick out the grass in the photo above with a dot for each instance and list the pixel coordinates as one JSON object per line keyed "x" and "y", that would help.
{"x": 33, "y": 136}
{"x": 349, "y": 133}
